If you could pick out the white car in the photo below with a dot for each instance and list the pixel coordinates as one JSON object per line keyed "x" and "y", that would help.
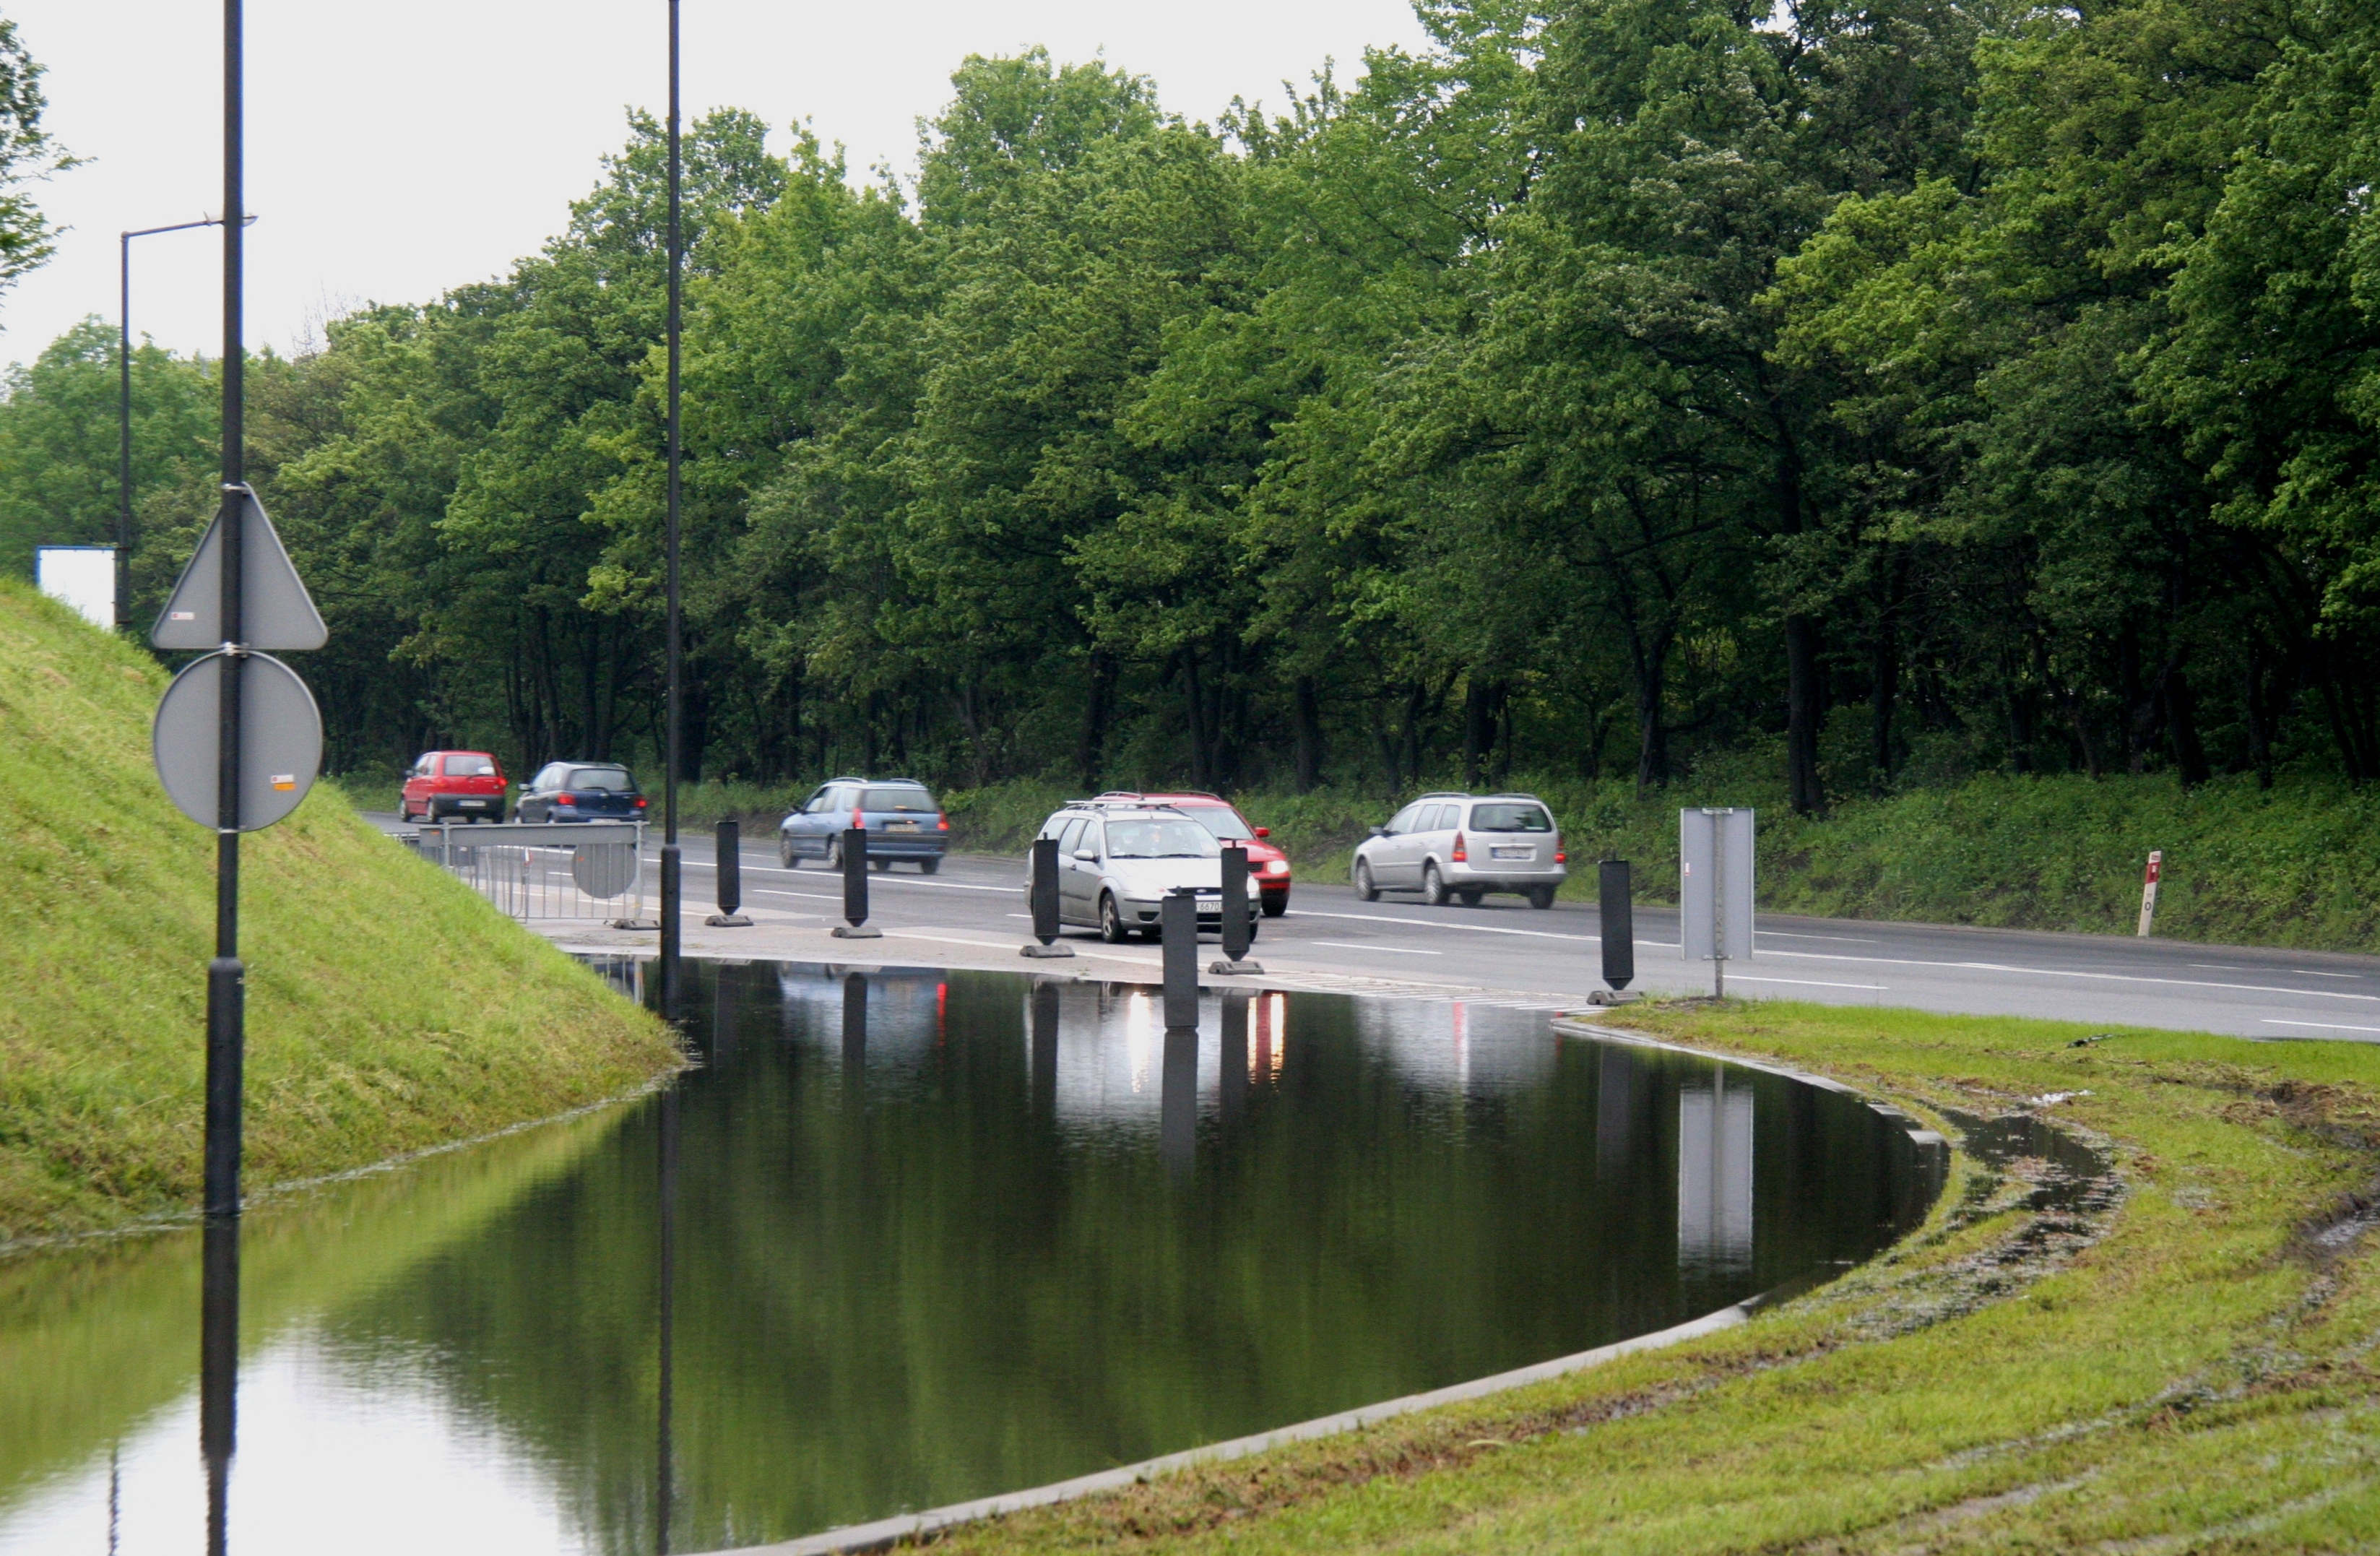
{"x": 1464, "y": 846}
{"x": 1117, "y": 862}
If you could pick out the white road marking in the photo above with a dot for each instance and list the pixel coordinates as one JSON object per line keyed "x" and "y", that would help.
{"x": 1850, "y": 939}
{"x": 2309, "y": 972}
{"x": 1804, "y": 983}
{"x": 2321, "y": 1026}
{"x": 1476, "y": 928}
{"x": 2060, "y": 972}
{"x": 805, "y": 896}
{"x": 1392, "y": 950}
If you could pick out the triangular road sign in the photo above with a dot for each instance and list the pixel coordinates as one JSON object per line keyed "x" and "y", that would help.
{"x": 275, "y": 611}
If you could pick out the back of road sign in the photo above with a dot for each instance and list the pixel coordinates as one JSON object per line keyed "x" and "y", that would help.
{"x": 275, "y": 611}
{"x": 1715, "y": 884}
{"x": 280, "y": 746}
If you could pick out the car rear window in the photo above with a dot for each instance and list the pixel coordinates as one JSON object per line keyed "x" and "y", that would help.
{"x": 1221, "y": 820}
{"x": 603, "y": 780}
{"x": 470, "y": 767}
{"x": 900, "y": 800}
{"x": 1511, "y": 817}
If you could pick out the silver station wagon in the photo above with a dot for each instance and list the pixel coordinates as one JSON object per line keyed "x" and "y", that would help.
{"x": 1116, "y": 861}
{"x": 1462, "y": 847}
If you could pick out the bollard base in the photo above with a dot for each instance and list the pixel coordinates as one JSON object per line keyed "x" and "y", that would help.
{"x": 636, "y": 923}
{"x": 1227, "y": 967}
{"x": 727, "y": 922}
{"x": 856, "y": 932}
{"x": 1613, "y": 997}
{"x": 1045, "y": 951}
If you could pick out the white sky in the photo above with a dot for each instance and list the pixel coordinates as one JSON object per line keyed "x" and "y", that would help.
{"x": 394, "y": 150}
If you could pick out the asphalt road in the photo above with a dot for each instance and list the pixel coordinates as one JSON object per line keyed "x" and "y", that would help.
{"x": 1504, "y": 944}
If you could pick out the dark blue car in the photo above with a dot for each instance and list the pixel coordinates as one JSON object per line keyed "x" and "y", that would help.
{"x": 900, "y": 816}
{"x": 580, "y": 791}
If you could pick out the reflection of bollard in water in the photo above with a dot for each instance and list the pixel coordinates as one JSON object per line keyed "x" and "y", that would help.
{"x": 1232, "y": 1087}
{"x": 855, "y": 888}
{"x": 1044, "y": 1050}
{"x": 1619, "y": 933}
{"x": 855, "y": 1025}
{"x": 730, "y": 872}
{"x": 1237, "y": 927}
{"x": 1177, "y": 925}
{"x": 725, "y": 996}
{"x": 1177, "y": 1123}
{"x": 1042, "y": 895}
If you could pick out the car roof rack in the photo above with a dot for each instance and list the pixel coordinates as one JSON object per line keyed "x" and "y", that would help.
{"x": 1447, "y": 794}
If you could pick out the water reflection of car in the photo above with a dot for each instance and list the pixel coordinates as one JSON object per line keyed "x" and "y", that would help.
{"x": 1267, "y": 862}
{"x": 1462, "y": 847}
{"x": 581, "y": 791}
{"x": 1117, "y": 861}
{"x": 441, "y": 786}
{"x": 900, "y": 816}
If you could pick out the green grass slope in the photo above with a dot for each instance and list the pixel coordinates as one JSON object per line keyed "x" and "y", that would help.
{"x": 389, "y": 1008}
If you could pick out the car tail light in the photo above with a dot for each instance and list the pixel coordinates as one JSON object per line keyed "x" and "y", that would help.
{"x": 942, "y": 823}
{"x": 1560, "y": 858}
{"x": 856, "y": 818}
{"x": 563, "y": 799}
{"x": 1460, "y": 855}
{"x": 640, "y": 802}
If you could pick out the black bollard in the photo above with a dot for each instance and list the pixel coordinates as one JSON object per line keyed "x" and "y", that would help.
{"x": 730, "y": 870}
{"x": 855, "y": 888}
{"x": 1619, "y": 933}
{"x": 1238, "y": 927}
{"x": 1177, "y": 925}
{"x": 1042, "y": 897}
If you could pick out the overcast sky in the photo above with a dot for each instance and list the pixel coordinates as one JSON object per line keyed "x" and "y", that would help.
{"x": 395, "y": 150}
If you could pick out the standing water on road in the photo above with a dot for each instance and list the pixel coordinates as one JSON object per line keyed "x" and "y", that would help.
{"x": 906, "y": 1238}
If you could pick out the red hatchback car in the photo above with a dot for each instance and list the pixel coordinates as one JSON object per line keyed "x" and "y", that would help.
{"x": 447, "y": 784}
{"x": 1266, "y": 862}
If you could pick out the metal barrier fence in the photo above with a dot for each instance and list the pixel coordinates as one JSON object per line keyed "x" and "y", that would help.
{"x": 591, "y": 870}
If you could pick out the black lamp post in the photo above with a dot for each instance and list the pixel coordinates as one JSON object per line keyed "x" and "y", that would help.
{"x": 124, "y": 409}
{"x": 670, "y": 883}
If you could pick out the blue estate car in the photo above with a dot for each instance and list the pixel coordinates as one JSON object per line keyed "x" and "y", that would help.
{"x": 902, "y": 819}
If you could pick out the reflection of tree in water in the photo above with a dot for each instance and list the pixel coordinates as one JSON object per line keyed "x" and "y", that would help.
{"x": 917, "y": 1260}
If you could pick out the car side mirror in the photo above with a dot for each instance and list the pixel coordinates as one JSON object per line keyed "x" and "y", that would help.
{"x": 1380, "y": 832}
{"x": 1263, "y": 832}
{"x": 1088, "y": 855}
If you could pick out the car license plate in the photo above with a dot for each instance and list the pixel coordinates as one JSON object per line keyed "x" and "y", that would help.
{"x": 900, "y": 826}
{"x": 1514, "y": 853}
{"x": 475, "y": 804}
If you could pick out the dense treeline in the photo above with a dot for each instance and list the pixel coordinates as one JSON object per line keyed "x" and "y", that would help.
{"x": 1912, "y": 390}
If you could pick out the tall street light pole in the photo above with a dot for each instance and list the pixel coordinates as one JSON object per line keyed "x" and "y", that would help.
{"x": 124, "y": 409}
{"x": 670, "y": 880}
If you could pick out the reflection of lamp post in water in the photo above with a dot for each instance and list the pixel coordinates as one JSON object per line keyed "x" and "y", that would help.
{"x": 219, "y": 1370}
{"x": 664, "y": 1475}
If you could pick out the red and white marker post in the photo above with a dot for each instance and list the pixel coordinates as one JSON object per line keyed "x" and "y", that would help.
{"x": 2149, "y": 889}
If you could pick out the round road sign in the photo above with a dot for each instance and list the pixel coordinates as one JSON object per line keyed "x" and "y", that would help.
{"x": 280, "y": 741}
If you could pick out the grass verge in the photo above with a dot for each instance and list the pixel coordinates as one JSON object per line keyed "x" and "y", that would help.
{"x": 390, "y": 1009}
{"x": 2185, "y": 1365}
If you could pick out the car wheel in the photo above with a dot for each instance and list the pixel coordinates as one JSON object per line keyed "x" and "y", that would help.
{"x": 1433, "y": 885}
{"x": 1363, "y": 886}
{"x": 786, "y": 855}
{"x": 879, "y": 864}
{"x": 1252, "y": 929}
{"x": 1276, "y": 904}
{"x": 1111, "y": 928}
{"x": 928, "y": 867}
{"x": 1541, "y": 896}
{"x": 835, "y": 854}
{"x": 1469, "y": 899}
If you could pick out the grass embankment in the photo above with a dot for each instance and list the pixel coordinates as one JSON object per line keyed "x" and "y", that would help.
{"x": 390, "y": 1009}
{"x": 2189, "y": 1366}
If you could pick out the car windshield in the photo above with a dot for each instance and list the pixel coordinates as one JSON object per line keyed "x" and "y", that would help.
{"x": 1160, "y": 840}
{"x": 1511, "y": 817}
{"x": 1221, "y": 820}
{"x": 900, "y": 800}
{"x": 470, "y": 767}
{"x": 603, "y": 780}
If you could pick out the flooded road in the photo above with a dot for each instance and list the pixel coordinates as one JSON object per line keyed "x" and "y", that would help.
{"x": 908, "y": 1237}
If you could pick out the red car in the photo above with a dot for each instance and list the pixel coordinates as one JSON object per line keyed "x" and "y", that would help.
{"x": 1266, "y": 862}
{"x": 447, "y": 784}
